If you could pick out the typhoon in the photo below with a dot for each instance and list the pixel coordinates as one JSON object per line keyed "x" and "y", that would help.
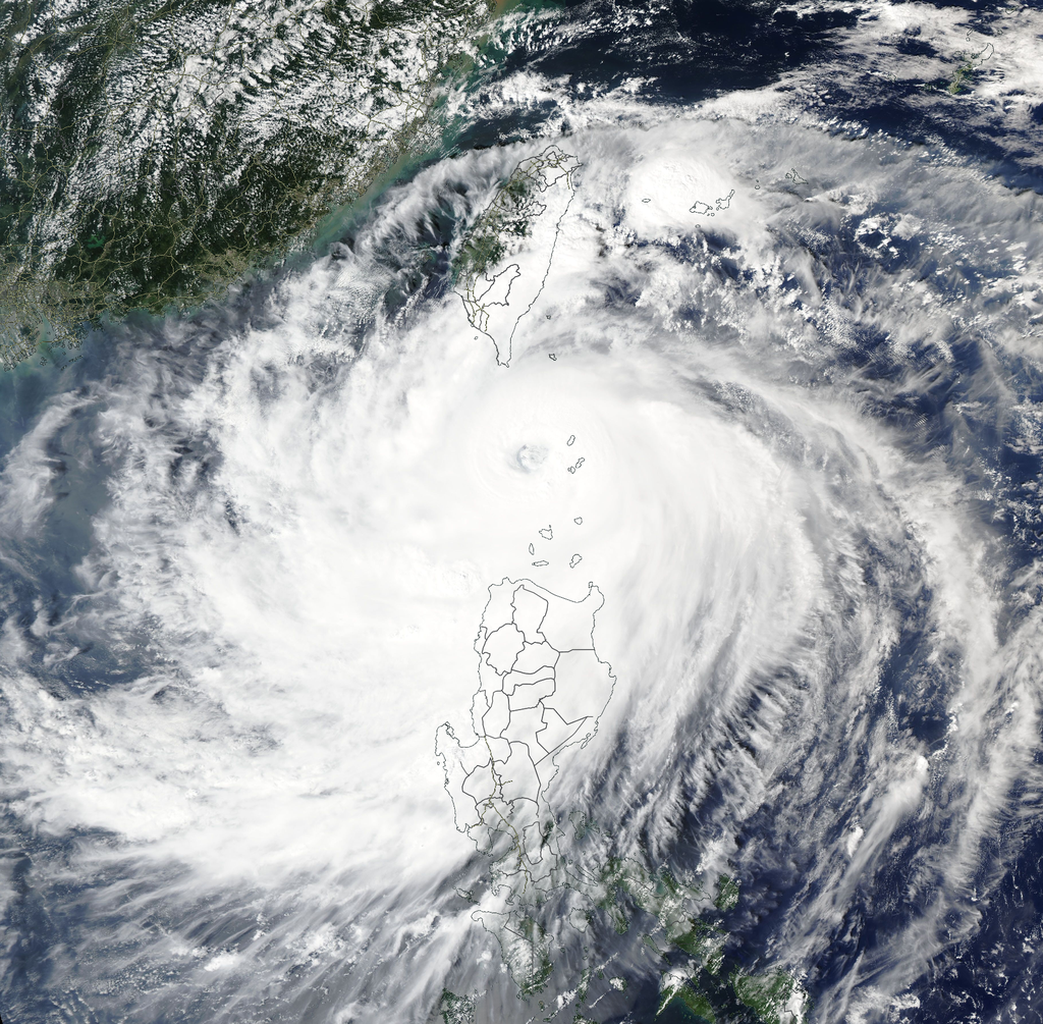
{"x": 600, "y": 584}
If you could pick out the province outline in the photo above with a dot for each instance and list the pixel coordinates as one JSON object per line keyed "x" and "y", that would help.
{"x": 542, "y": 688}
{"x": 506, "y": 256}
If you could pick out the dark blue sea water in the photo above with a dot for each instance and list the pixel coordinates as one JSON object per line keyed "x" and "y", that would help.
{"x": 244, "y": 555}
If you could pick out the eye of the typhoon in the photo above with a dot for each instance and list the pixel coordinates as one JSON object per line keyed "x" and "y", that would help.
{"x": 530, "y": 456}
{"x": 606, "y": 590}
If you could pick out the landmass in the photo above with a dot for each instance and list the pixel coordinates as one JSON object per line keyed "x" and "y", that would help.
{"x": 167, "y": 150}
{"x": 542, "y": 689}
{"x": 505, "y": 257}
{"x": 706, "y": 210}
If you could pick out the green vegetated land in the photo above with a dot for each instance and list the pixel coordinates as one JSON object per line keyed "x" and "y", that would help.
{"x": 508, "y": 217}
{"x": 683, "y": 928}
{"x": 699, "y": 981}
{"x": 968, "y": 70}
{"x": 153, "y": 152}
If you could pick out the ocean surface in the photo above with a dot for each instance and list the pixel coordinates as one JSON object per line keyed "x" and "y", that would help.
{"x": 777, "y": 383}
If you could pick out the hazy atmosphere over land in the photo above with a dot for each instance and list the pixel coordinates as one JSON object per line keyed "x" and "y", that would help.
{"x": 521, "y": 514}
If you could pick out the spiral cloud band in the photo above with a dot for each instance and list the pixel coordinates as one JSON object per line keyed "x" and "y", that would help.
{"x": 754, "y": 395}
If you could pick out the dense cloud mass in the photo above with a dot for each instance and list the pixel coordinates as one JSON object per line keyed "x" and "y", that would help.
{"x": 777, "y": 396}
